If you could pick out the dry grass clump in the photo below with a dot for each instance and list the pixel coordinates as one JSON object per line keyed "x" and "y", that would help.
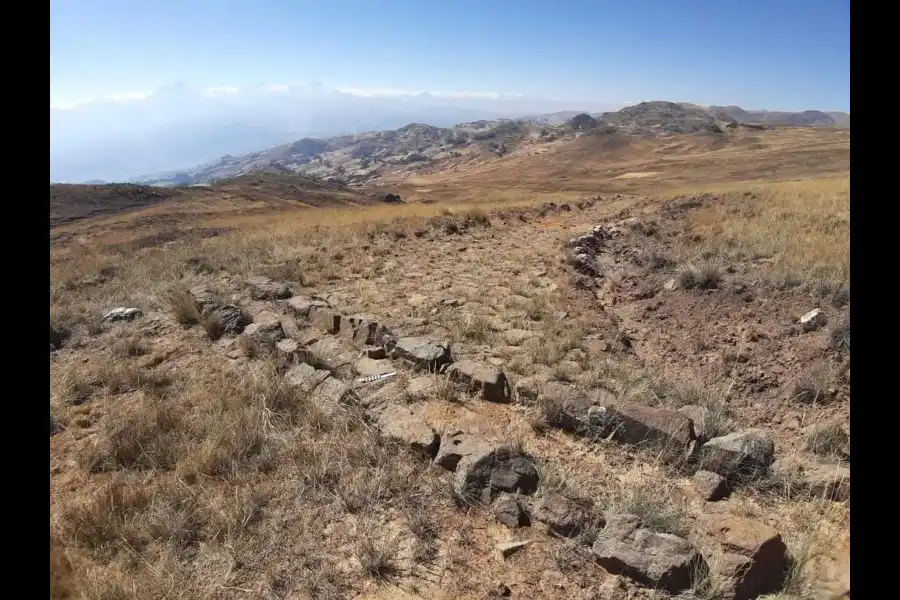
{"x": 657, "y": 504}
{"x": 184, "y": 307}
{"x": 828, "y": 440}
{"x": 377, "y": 554}
{"x": 840, "y": 334}
{"x": 802, "y": 227}
{"x": 197, "y": 448}
{"x": 705, "y": 276}
{"x": 814, "y": 385}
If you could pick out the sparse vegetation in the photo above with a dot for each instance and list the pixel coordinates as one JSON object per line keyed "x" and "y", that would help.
{"x": 706, "y": 276}
{"x": 828, "y": 440}
{"x": 657, "y": 506}
{"x": 194, "y": 464}
{"x": 184, "y": 307}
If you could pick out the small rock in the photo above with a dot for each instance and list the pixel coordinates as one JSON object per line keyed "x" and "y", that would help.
{"x": 711, "y": 486}
{"x": 507, "y": 512}
{"x": 325, "y": 319}
{"x": 572, "y": 410}
{"x": 529, "y": 388}
{"x": 409, "y": 427}
{"x": 423, "y": 352}
{"x": 813, "y": 320}
{"x": 560, "y": 514}
{"x": 263, "y": 288}
{"x": 305, "y": 377}
{"x": 636, "y": 424}
{"x": 420, "y": 388}
{"x": 301, "y": 305}
{"x": 755, "y": 555}
{"x": 204, "y": 297}
{"x": 329, "y": 394}
{"x": 483, "y": 475}
{"x": 658, "y": 560}
{"x": 489, "y": 380}
{"x": 507, "y": 549}
{"x": 376, "y": 353}
{"x": 516, "y": 337}
{"x": 457, "y": 445}
{"x": 671, "y": 285}
{"x": 698, "y": 415}
{"x": 818, "y": 479}
{"x": 287, "y": 348}
{"x": 231, "y": 319}
{"x": 743, "y": 454}
{"x": 596, "y": 347}
{"x": 417, "y": 300}
{"x": 363, "y": 330}
{"x": 265, "y": 330}
{"x": 122, "y": 314}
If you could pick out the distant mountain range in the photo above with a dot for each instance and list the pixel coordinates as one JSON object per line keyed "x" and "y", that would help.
{"x": 178, "y": 126}
{"x": 421, "y": 148}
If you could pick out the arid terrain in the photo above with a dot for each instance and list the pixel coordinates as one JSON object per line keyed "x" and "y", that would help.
{"x": 620, "y": 371}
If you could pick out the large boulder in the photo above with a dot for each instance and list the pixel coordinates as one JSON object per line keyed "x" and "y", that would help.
{"x": 745, "y": 454}
{"x": 423, "y": 352}
{"x": 489, "y": 380}
{"x": 658, "y": 560}
{"x": 755, "y": 556}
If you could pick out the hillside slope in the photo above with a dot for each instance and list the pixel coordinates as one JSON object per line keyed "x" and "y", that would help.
{"x": 420, "y": 149}
{"x": 70, "y": 203}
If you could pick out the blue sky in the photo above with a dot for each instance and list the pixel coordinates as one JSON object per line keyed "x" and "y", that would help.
{"x": 787, "y": 54}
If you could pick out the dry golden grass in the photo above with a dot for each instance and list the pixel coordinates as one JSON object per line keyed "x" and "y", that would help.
{"x": 199, "y": 480}
{"x": 802, "y": 227}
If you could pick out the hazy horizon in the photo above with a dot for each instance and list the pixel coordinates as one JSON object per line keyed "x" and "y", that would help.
{"x": 338, "y": 67}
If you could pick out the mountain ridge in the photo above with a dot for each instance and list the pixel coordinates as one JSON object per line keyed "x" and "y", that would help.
{"x": 363, "y": 158}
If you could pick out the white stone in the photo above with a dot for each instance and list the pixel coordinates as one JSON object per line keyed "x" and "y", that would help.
{"x": 813, "y": 320}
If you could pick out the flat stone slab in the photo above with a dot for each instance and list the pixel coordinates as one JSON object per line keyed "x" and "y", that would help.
{"x": 488, "y": 380}
{"x": 658, "y": 560}
{"x": 409, "y": 426}
{"x": 423, "y": 352}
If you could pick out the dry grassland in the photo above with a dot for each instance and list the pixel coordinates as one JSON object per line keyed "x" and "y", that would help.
{"x": 179, "y": 473}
